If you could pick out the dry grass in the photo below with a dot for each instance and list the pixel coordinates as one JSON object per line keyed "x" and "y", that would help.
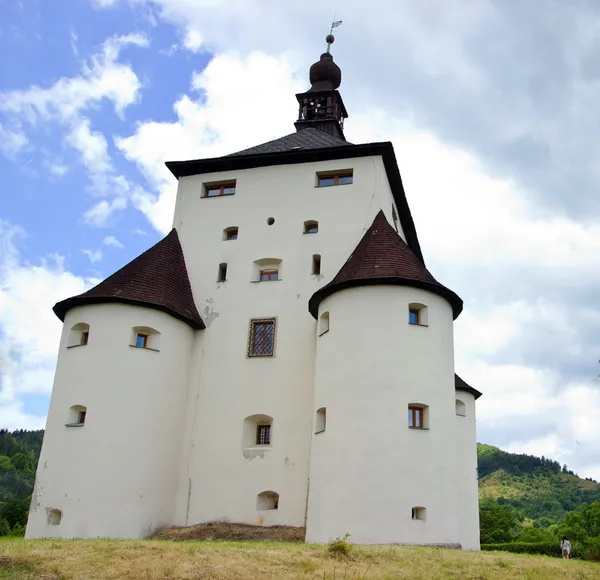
{"x": 233, "y": 532}
{"x": 166, "y": 560}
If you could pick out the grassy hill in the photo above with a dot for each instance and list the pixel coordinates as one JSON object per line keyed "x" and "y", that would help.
{"x": 538, "y": 488}
{"x": 159, "y": 560}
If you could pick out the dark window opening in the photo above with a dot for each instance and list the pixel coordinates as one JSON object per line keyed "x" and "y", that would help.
{"x": 84, "y": 337}
{"x": 263, "y": 435}
{"x": 81, "y": 418}
{"x": 311, "y": 227}
{"x": 222, "y": 276}
{"x": 316, "y": 265}
{"x": 231, "y": 234}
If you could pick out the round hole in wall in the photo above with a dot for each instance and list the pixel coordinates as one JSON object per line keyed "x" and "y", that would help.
{"x": 271, "y": 221}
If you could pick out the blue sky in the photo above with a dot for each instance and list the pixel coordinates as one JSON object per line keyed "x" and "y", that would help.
{"x": 492, "y": 110}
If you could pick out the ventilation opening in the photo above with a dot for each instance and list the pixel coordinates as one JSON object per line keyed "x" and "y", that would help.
{"x": 79, "y": 335}
{"x": 270, "y": 221}
{"x": 230, "y": 233}
{"x": 324, "y": 323}
{"x": 461, "y": 409}
{"x": 267, "y": 500}
{"x": 54, "y": 517}
{"x": 77, "y": 414}
{"x": 419, "y": 513}
{"x": 222, "y": 275}
{"x": 321, "y": 420}
{"x": 311, "y": 227}
{"x": 316, "y": 264}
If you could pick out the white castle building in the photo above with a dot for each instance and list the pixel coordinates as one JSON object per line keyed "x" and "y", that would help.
{"x": 282, "y": 357}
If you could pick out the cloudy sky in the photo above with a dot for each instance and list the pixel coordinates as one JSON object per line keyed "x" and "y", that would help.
{"x": 492, "y": 107}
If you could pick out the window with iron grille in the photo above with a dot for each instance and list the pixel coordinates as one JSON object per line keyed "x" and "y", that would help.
{"x": 261, "y": 338}
{"x": 263, "y": 435}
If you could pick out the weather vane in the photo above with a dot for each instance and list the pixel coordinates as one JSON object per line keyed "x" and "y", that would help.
{"x": 330, "y": 38}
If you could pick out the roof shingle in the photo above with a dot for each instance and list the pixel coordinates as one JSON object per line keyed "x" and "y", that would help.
{"x": 156, "y": 279}
{"x": 309, "y": 138}
{"x": 383, "y": 257}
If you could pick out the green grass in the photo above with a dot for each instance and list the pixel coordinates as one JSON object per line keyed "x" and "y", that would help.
{"x": 187, "y": 560}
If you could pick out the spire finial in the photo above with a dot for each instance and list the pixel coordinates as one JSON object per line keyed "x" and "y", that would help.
{"x": 329, "y": 39}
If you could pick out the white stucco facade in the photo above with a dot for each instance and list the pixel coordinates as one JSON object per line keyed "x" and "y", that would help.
{"x": 169, "y": 435}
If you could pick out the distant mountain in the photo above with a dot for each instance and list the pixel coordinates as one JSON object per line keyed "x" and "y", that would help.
{"x": 538, "y": 488}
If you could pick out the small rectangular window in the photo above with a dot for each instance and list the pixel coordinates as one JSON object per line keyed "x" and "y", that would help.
{"x": 413, "y": 316}
{"x": 341, "y": 178}
{"x": 267, "y": 275}
{"x": 316, "y": 265}
{"x": 141, "y": 340}
{"x": 415, "y": 417}
{"x": 261, "y": 339}
{"x": 222, "y": 275}
{"x": 81, "y": 417}
{"x": 84, "y": 337}
{"x": 219, "y": 189}
{"x": 263, "y": 435}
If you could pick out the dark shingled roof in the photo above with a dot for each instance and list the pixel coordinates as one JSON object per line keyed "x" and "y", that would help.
{"x": 383, "y": 257}
{"x": 157, "y": 279}
{"x": 309, "y": 138}
{"x": 460, "y": 385}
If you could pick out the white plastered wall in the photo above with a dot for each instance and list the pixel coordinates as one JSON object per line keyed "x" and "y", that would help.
{"x": 218, "y": 480}
{"x": 466, "y": 446}
{"x": 368, "y": 469}
{"x": 116, "y": 476}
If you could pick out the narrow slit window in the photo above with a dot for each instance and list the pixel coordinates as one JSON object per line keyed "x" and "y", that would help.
{"x": 81, "y": 417}
{"x": 263, "y": 435}
{"x": 222, "y": 275}
{"x": 321, "y": 420}
{"x": 340, "y": 178}
{"x": 261, "y": 340}
{"x": 311, "y": 227}
{"x": 269, "y": 275}
{"x": 316, "y": 264}
{"x": 219, "y": 189}
{"x": 85, "y": 335}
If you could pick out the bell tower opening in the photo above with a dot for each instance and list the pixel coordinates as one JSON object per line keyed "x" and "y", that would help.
{"x": 322, "y": 106}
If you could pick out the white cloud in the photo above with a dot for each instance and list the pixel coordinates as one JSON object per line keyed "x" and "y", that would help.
{"x": 57, "y": 169}
{"x": 102, "y": 78}
{"x": 12, "y": 141}
{"x": 99, "y": 214}
{"x": 93, "y": 255}
{"x": 112, "y": 241}
{"x": 29, "y": 330}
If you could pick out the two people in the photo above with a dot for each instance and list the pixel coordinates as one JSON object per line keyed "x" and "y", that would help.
{"x": 565, "y": 546}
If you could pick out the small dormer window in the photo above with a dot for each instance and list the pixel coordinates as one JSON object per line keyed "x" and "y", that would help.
{"x": 219, "y": 189}
{"x": 328, "y": 178}
{"x": 269, "y": 275}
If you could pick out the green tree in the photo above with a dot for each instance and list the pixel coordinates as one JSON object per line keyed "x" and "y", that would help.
{"x": 21, "y": 462}
{"x": 498, "y": 524}
{"x": 5, "y": 463}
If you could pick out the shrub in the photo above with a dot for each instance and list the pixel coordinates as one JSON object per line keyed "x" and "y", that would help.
{"x": 539, "y": 548}
{"x": 592, "y": 546}
{"x": 339, "y": 546}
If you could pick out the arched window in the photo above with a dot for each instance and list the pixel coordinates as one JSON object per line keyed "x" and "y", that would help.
{"x": 417, "y": 314}
{"x": 79, "y": 335}
{"x": 323, "y": 323}
{"x": 311, "y": 227}
{"x": 267, "y": 500}
{"x": 77, "y": 414}
{"x": 321, "y": 420}
{"x": 266, "y": 269}
{"x": 461, "y": 409}
{"x": 145, "y": 337}
{"x": 418, "y": 416}
{"x": 257, "y": 431}
{"x": 230, "y": 233}
{"x": 54, "y": 517}
{"x": 419, "y": 513}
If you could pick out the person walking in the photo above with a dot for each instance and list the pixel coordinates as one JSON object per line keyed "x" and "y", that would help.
{"x": 565, "y": 546}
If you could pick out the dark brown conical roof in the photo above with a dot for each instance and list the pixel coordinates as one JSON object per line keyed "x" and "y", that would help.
{"x": 383, "y": 257}
{"x": 460, "y": 385}
{"x": 156, "y": 279}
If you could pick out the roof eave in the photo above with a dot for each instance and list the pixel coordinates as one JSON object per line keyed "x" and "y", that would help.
{"x": 455, "y": 301}
{"x": 62, "y": 308}
{"x": 461, "y": 385}
{"x": 253, "y": 160}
